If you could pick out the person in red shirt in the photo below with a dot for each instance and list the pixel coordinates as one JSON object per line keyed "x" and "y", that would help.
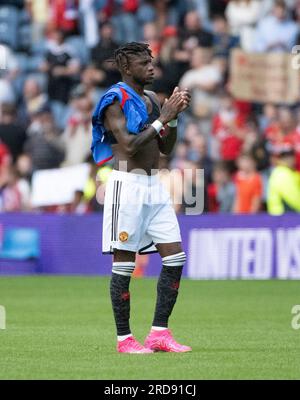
{"x": 283, "y": 131}
{"x": 4, "y": 155}
{"x": 249, "y": 186}
{"x": 5, "y": 160}
{"x": 11, "y": 194}
{"x": 63, "y": 15}
{"x": 228, "y": 127}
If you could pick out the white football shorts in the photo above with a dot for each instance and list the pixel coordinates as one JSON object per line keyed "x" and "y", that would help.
{"x": 138, "y": 214}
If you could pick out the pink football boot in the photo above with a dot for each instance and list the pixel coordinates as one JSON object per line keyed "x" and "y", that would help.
{"x": 131, "y": 345}
{"x": 164, "y": 341}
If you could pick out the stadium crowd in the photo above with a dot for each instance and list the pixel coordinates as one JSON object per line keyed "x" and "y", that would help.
{"x": 56, "y": 62}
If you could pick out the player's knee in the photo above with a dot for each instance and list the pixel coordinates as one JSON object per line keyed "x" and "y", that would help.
{"x": 175, "y": 260}
{"x": 125, "y": 268}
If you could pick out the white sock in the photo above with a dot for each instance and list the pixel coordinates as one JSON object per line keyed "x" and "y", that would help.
{"x": 158, "y": 328}
{"x": 123, "y": 337}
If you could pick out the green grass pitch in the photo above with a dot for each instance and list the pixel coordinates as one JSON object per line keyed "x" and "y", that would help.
{"x": 62, "y": 328}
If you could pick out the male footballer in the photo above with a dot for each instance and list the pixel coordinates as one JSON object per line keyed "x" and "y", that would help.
{"x": 130, "y": 125}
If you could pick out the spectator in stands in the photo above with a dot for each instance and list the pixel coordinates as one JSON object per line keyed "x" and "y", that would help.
{"x": 276, "y": 32}
{"x": 284, "y": 184}
{"x": 33, "y": 99}
{"x": 7, "y": 94}
{"x": 24, "y": 167}
{"x": 11, "y": 198}
{"x": 43, "y": 145}
{"x": 15, "y": 3}
{"x": 180, "y": 158}
{"x": 249, "y": 186}
{"x": 203, "y": 80}
{"x": 39, "y": 11}
{"x": 94, "y": 190}
{"x": 61, "y": 66}
{"x": 5, "y": 162}
{"x": 217, "y": 7}
{"x": 9, "y": 70}
{"x": 152, "y": 37}
{"x": 172, "y": 62}
{"x": 89, "y": 84}
{"x": 251, "y": 134}
{"x": 76, "y": 137}
{"x": 223, "y": 41}
{"x": 64, "y": 15}
{"x": 167, "y": 12}
{"x": 11, "y": 132}
{"x": 198, "y": 153}
{"x": 78, "y": 205}
{"x": 281, "y": 131}
{"x": 228, "y": 129}
{"x": 24, "y": 188}
{"x": 261, "y": 153}
{"x": 88, "y": 16}
{"x": 124, "y": 19}
{"x": 105, "y": 71}
{"x": 193, "y": 34}
{"x": 268, "y": 117}
{"x": 242, "y": 16}
{"x": 221, "y": 192}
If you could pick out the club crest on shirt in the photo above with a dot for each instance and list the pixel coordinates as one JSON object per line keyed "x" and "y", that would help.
{"x": 123, "y": 236}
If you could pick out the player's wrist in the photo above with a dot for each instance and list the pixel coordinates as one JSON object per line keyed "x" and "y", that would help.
{"x": 158, "y": 126}
{"x": 162, "y": 120}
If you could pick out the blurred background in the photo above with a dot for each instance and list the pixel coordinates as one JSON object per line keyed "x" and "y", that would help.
{"x": 243, "y": 126}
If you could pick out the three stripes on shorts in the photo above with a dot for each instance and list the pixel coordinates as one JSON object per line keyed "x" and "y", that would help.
{"x": 115, "y": 209}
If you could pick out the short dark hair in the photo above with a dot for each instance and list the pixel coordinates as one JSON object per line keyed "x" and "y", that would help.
{"x": 281, "y": 4}
{"x": 123, "y": 53}
{"x": 221, "y": 166}
{"x": 8, "y": 109}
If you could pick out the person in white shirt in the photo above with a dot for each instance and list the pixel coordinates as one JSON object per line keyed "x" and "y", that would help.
{"x": 242, "y": 16}
{"x": 203, "y": 79}
{"x": 276, "y": 32}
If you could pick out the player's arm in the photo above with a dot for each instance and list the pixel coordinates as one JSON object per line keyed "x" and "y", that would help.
{"x": 167, "y": 142}
{"x": 115, "y": 121}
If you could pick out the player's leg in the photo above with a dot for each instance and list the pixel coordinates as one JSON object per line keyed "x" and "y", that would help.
{"x": 122, "y": 230}
{"x": 123, "y": 267}
{"x": 164, "y": 230}
{"x": 173, "y": 259}
{"x": 160, "y": 337}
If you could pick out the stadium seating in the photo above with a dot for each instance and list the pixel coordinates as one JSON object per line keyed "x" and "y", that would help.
{"x": 20, "y": 244}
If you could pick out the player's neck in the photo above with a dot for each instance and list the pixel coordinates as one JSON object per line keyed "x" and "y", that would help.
{"x": 135, "y": 86}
